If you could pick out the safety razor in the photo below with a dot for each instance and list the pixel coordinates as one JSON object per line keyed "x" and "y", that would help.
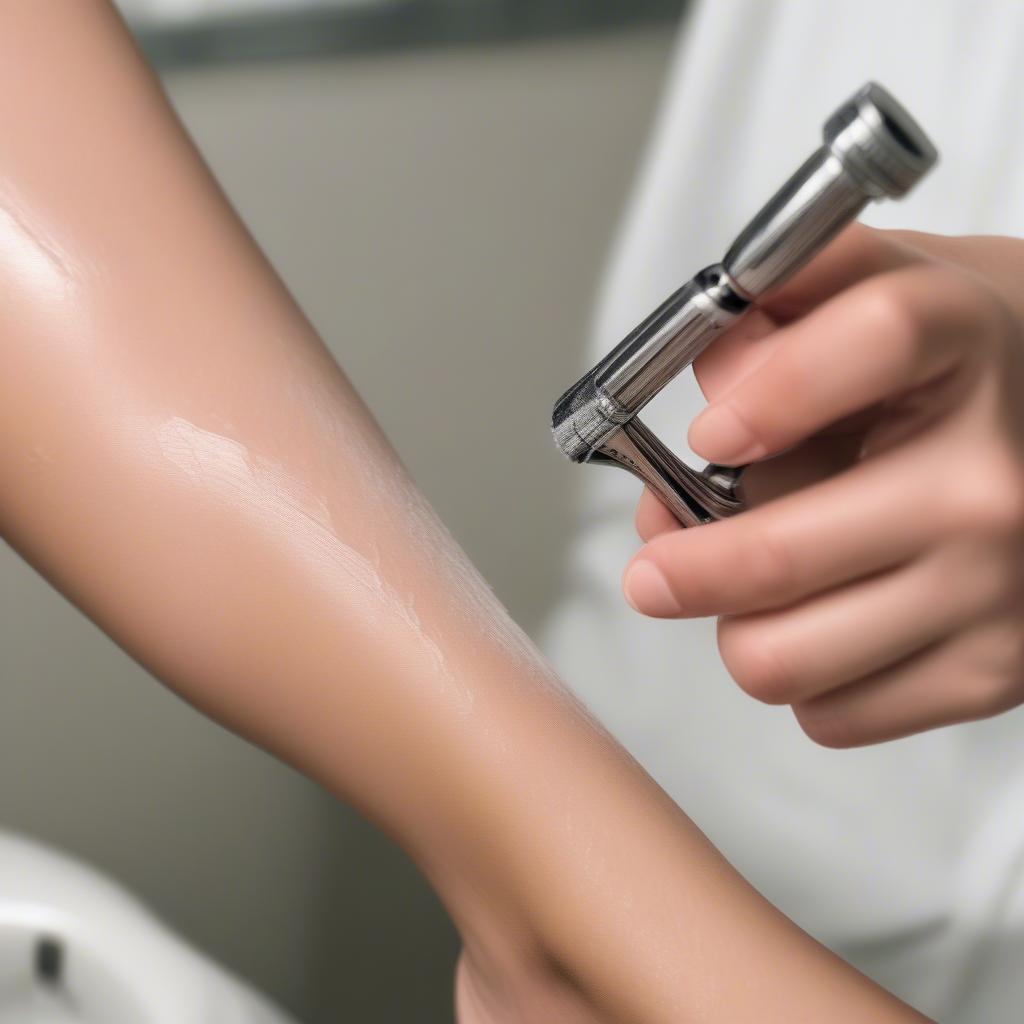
{"x": 872, "y": 149}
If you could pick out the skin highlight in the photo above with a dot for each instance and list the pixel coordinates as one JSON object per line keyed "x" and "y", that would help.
{"x": 180, "y": 456}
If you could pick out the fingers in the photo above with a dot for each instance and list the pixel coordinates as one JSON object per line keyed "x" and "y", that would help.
{"x": 736, "y": 354}
{"x": 974, "y": 675}
{"x": 884, "y": 600}
{"x": 844, "y": 528}
{"x": 652, "y": 517}
{"x": 857, "y": 253}
{"x": 851, "y": 633}
{"x": 818, "y": 459}
{"x": 877, "y": 340}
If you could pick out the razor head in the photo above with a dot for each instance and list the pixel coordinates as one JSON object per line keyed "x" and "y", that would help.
{"x": 604, "y": 400}
{"x": 879, "y": 142}
{"x": 563, "y": 430}
{"x": 584, "y": 418}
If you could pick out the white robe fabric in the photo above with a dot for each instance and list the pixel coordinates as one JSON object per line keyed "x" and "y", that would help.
{"x": 907, "y": 858}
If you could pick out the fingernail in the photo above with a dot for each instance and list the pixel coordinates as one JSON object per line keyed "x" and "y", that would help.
{"x": 719, "y": 435}
{"x": 648, "y": 591}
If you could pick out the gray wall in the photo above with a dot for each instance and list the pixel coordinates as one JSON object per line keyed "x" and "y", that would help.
{"x": 431, "y": 211}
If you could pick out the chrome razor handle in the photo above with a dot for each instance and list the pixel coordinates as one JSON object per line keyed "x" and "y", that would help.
{"x": 872, "y": 149}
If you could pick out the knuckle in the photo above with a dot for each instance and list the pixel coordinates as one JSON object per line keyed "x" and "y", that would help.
{"x": 1004, "y": 334}
{"x": 992, "y": 695}
{"x": 986, "y": 321}
{"x": 913, "y": 338}
{"x": 989, "y": 577}
{"x": 757, "y": 664}
{"x": 1004, "y": 510}
{"x": 998, "y": 682}
{"x": 890, "y": 318}
{"x": 995, "y": 506}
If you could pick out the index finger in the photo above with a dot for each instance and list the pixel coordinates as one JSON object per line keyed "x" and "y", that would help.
{"x": 875, "y": 341}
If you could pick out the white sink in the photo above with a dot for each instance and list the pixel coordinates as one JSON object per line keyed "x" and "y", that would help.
{"x": 75, "y": 947}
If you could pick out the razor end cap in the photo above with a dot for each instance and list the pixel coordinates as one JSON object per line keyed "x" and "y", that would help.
{"x": 879, "y": 142}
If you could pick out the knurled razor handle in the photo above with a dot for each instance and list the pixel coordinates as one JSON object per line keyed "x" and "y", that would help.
{"x": 872, "y": 149}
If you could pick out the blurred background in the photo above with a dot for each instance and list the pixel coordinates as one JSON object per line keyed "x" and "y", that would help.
{"x": 438, "y": 182}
